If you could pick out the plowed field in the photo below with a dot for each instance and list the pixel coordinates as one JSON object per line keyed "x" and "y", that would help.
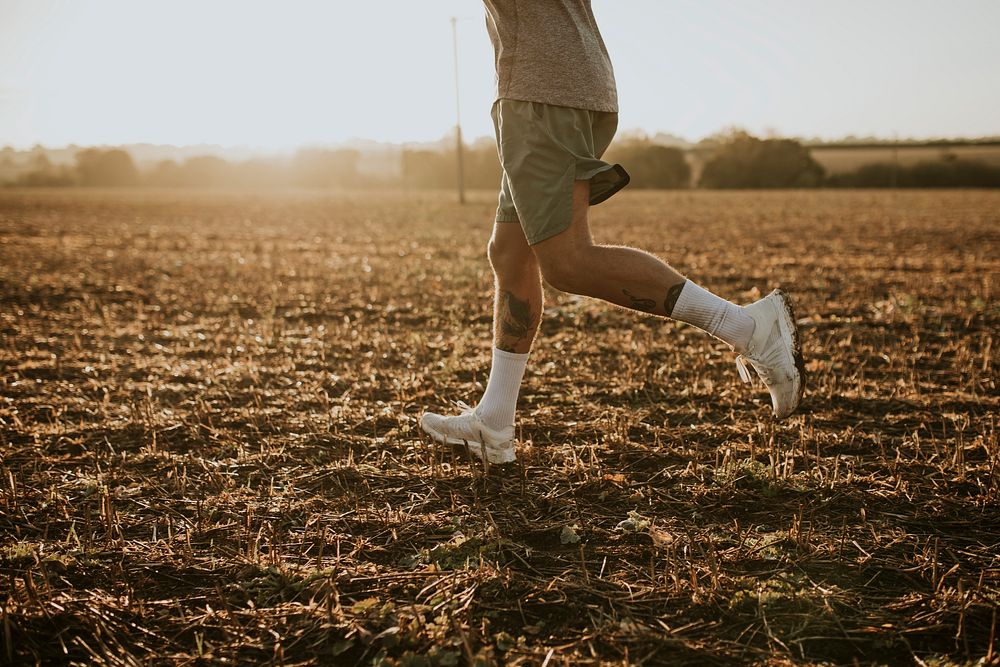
{"x": 210, "y": 451}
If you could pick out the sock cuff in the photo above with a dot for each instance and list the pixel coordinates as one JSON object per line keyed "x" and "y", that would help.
{"x": 692, "y": 293}
{"x": 499, "y": 402}
{"x": 709, "y": 312}
{"x": 508, "y": 356}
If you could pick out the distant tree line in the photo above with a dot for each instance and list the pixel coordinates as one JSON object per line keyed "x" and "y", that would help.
{"x": 741, "y": 160}
{"x": 948, "y": 173}
{"x": 651, "y": 166}
{"x": 115, "y": 167}
{"x": 735, "y": 160}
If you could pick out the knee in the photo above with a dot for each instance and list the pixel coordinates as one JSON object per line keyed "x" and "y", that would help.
{"x": 507, "y": 256}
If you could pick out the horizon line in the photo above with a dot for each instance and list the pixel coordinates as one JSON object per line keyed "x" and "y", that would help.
{"x": 622, "y": 134}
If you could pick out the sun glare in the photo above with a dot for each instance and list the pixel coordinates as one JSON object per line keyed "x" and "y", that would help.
{"x": 280, "y": 75}
{"x": 262, "y": 74}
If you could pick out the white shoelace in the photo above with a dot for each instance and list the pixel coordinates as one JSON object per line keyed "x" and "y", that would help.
{"x": 763, "y": 370}
{"x": 469, "y": 410}
{"x": 741, "y": 366}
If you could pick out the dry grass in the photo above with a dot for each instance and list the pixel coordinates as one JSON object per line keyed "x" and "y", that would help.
{"x": 209, "y": 448}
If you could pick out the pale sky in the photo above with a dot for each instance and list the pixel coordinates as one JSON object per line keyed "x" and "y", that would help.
{"x": 283, "y": 73}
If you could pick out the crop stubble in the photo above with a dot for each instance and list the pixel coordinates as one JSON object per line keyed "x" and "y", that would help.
{"x": 210, "y": 444}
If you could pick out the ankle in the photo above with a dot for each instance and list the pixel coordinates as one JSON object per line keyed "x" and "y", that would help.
{"x": 720, "y": 318}
{"x": 499, "y": 402}
{"x": 742, "y": 343}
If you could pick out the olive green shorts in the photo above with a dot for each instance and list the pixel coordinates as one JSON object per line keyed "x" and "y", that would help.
{"x": 543, "y": 149}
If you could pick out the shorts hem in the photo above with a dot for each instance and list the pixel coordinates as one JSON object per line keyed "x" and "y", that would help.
{"x": 617, "y": 186}
{"x": 547, "y": 234}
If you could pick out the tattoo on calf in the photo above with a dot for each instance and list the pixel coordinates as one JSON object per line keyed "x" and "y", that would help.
{"x": 671, "y": 300}
{"x": 515, "y": 323}
{"x": 640, "y": 303}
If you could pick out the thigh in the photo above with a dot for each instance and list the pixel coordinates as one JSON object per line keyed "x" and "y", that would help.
{"x": 577, "y": 236}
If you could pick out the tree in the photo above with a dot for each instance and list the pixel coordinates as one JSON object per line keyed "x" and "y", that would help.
{"x": 326, "y": 168}
{"x": 429, "y": 169}
{"x": 482, "y": 167}
{"x": 205, "y": 170}
{"x": 651, "y": 165}
{"x": 948, "y": 173}
{"x": 45, "y": 174}
{"x": 112, "y": 167}
{"x": 744, "y": 161}
{"x": 165, "y": 173}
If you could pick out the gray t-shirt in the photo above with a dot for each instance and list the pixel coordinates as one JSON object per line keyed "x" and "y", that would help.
{"x": 551, "y": 51}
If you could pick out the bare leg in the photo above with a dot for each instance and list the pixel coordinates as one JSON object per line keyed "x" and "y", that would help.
{"x": 517, "y": 307}
{"x": 488, "y": 430}
{"x": 623, "y": 276}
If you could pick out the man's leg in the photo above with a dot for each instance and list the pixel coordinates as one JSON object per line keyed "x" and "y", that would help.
{"x": 634, "y": 279}
{"x": 764, "y": 332}
{"x": 488, "y": 430}
{"x": 517, "y": 311}
{"x": 517, "y": 305}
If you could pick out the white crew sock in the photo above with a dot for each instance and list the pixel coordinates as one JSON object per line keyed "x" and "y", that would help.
{"x": 499, "y": 401}
{"x": 724, "y": 320}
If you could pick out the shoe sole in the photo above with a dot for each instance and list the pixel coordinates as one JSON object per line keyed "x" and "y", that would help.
{"x": 494, "y": 455}
{"x": 789, "y": 331}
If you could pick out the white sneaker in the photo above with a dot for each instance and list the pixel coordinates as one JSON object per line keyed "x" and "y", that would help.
{"x": 483, "y": 442}
{"x": 774, "y": 352}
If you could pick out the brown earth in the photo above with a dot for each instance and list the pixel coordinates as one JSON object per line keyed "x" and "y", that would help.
{"x": 209, "y": 448}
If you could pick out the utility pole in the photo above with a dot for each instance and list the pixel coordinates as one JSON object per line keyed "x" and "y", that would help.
{"x": 895, "y": 160}
{"x": 458, "y": 117}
